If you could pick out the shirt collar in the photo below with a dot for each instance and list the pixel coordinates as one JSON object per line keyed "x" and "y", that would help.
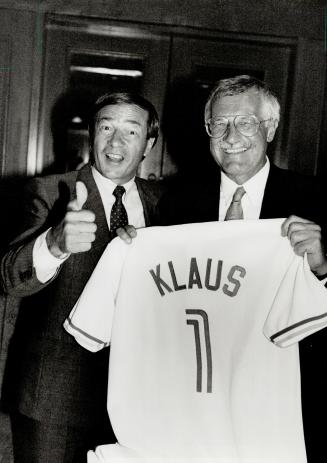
{"x": 108, "y": 185}
{"x": 254, "y": 187}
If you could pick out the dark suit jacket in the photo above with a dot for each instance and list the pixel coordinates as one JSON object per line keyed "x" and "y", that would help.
{"x": 49, "y": 376}
{"x": 286, "y": 193}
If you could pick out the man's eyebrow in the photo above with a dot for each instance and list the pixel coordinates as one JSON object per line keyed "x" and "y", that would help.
{"x": 109, "y": 119}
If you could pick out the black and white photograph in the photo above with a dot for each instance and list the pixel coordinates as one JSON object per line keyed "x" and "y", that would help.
{"x": 163, "y": 242}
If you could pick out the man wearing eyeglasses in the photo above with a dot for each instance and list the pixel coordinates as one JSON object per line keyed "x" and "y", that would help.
{"x": 241, "y": 118}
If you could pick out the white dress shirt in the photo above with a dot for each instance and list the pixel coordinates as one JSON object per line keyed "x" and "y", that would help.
{"x": 251, "y": 200}
{"x": 46, "y": 265}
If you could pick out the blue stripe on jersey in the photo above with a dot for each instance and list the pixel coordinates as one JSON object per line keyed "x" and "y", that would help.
{"x": 296, "y": 325}
{"x": 85, "y": 334}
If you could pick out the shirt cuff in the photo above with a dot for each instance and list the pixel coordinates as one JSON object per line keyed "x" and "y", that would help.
{"x": 45, "y": 264}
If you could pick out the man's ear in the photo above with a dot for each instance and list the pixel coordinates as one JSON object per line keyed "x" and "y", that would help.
{"x": 148, "y": 148}
{"x": 272, "y": 127}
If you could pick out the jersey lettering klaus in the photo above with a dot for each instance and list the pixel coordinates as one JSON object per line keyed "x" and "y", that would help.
{"x": 211, "y": 279}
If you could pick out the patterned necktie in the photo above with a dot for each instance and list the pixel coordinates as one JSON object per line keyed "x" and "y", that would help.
{"x": 118, "y": 216}
{"x": 235, "y": 211}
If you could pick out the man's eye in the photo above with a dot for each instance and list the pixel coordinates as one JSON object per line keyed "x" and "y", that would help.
{"x": 131, "y": 133}
{"x": 105, "y": 128}
{"x": 219, "y": 123}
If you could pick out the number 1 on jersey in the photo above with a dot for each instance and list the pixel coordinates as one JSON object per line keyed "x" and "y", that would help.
{"x": 200, "y": 324}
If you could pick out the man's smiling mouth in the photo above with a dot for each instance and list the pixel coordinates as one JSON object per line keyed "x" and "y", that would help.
{"x": 114, "y": 157}
{"x": 235, "y": 150}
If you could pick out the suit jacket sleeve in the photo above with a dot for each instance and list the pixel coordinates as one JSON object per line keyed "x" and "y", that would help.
{"x": 18, "y": 275}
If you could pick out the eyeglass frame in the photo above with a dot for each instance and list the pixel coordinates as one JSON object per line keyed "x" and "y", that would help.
{"x": 234, "y": 117}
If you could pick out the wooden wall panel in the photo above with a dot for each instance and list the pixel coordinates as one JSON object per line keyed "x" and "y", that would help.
{"x": 16, "y": 71}
{"x": 288, "y": 18}
{"x": 306, "y": 88}
{"x": 20, "y": 28}
{"x": 5, "y": 70}
{"x": 5, "y": 73}
{"x": 322, "y": 160}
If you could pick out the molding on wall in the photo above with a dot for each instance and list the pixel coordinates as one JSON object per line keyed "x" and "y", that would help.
{"x": 5, "y": 71}
{"x": 303, "y": 17}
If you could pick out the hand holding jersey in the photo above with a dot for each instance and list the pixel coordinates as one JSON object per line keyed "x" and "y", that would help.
{"x": 127, "y": 233}
{"x": 305, "y": 237}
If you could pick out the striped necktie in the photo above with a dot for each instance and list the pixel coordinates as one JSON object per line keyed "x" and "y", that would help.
{"x": 235, "y": 211}
{"x": 118, "y": 215}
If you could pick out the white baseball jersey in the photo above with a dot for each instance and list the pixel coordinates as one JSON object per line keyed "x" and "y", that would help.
{"x": 193, "y": 314}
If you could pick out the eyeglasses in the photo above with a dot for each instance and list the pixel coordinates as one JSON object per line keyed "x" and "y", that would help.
{"x": 246, "y": 125}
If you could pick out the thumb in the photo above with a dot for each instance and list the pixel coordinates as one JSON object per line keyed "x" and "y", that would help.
{"x": 81, "y": 197}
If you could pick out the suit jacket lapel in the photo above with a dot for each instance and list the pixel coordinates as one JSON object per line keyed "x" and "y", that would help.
{"x": 149, "y": 201}
{"x": 207, "y": 201}
{"x": 275, "y": 199}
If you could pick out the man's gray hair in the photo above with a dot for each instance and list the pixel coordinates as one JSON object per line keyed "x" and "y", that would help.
{"x": 240, "y": 84}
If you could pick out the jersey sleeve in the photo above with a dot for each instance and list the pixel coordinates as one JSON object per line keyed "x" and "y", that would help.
{"x": 299, "y": 308}
{"x": 90, "y": 320}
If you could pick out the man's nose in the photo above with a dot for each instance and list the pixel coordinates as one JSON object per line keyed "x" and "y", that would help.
{"x": 116, "y": 138}
{"x": 231, "y": 135}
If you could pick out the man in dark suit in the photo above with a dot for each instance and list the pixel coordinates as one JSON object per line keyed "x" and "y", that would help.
{"x": 241, "y": 118}
{"x": 56, "y": 390}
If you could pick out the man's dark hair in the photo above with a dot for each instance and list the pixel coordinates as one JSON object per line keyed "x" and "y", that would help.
{"x": 126, "y": 98}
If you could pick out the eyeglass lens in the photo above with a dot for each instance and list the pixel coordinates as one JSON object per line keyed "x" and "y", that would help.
{"x": 246, "y": 125}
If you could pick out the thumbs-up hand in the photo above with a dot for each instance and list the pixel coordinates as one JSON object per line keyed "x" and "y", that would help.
{"x": 81, "y": 197}
{"x": 76, "y": 232}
